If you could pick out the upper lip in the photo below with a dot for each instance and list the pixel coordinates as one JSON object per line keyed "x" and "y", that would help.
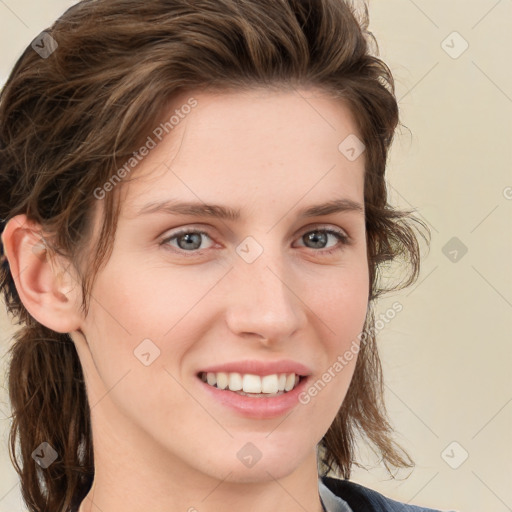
{"x": 260, "y": 368}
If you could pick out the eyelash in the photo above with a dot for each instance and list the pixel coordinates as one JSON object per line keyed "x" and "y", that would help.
{"x": 341, "y": 236}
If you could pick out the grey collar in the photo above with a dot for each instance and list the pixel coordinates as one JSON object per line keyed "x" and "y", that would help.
{"x": 330, "y": 501}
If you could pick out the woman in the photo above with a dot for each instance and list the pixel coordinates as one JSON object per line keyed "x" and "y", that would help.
{"x": 195, "y": 225}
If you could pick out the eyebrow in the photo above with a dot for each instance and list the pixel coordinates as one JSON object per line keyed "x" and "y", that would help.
{"x": 198, "y": 209}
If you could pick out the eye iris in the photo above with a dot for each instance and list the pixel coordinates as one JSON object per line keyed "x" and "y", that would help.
{"x": 314, "y": 237}
{"x": 188, "y": 238}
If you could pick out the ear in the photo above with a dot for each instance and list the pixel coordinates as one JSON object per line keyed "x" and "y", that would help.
{"x": 43, "y": 279}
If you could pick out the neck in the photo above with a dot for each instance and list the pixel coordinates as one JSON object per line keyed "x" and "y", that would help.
{"x": 122, "y": 489}
{"x": 270, "y": 501}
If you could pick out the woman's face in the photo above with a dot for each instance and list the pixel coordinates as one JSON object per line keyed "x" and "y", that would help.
{"x": 268, "y": 291}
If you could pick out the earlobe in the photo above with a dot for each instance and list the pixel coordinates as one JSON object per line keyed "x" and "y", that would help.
{"x": 45, "y": 285}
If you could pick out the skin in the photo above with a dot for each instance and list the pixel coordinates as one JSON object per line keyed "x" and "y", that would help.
{"x": 160, "y": 442}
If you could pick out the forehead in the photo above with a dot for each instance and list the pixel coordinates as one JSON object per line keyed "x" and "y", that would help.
{"x": 246, "y": 147}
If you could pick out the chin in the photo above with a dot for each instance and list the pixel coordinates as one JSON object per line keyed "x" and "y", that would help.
{"x": 250, "y": 464}
{"x": 259, "y": 473}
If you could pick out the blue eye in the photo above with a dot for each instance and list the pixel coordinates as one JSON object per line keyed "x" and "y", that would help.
{"x": 189, "y": 240}
{"x": 312, "y": 236}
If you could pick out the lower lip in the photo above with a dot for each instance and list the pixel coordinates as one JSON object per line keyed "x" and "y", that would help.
{"x": 257, "y": 407}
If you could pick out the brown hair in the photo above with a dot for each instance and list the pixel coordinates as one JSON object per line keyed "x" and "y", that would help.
{"x": 66, "y": 121}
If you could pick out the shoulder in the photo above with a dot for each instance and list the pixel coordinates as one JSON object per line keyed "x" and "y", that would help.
{"x": 363, "y": 499}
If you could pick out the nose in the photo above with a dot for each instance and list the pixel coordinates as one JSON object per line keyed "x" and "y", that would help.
{"x": 262, "y": 301}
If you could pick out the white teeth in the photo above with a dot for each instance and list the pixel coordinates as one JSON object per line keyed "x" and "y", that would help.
{"x": 222, "y": 380}
{"x": 269, "y": 384}
{"x": 235, "y": 382}
{"x": 290, "y": 382}
{"x": 282, "y": 382}
{"x": 211, "y": 378}
{"x": 250, "y": 383}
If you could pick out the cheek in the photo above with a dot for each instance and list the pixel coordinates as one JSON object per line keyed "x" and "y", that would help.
{"x": 126, "y": 329}
{"x": 340, "y": 307}
{"x": 148, "y": 301}
{"x": 340, "y": 299}
{"x": 132, "y": 319}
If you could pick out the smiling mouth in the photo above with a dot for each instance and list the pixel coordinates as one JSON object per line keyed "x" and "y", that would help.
{"x": 247, "y": 384}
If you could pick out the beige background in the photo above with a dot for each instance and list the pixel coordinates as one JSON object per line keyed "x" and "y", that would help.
{"x": 447, "y": 355}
